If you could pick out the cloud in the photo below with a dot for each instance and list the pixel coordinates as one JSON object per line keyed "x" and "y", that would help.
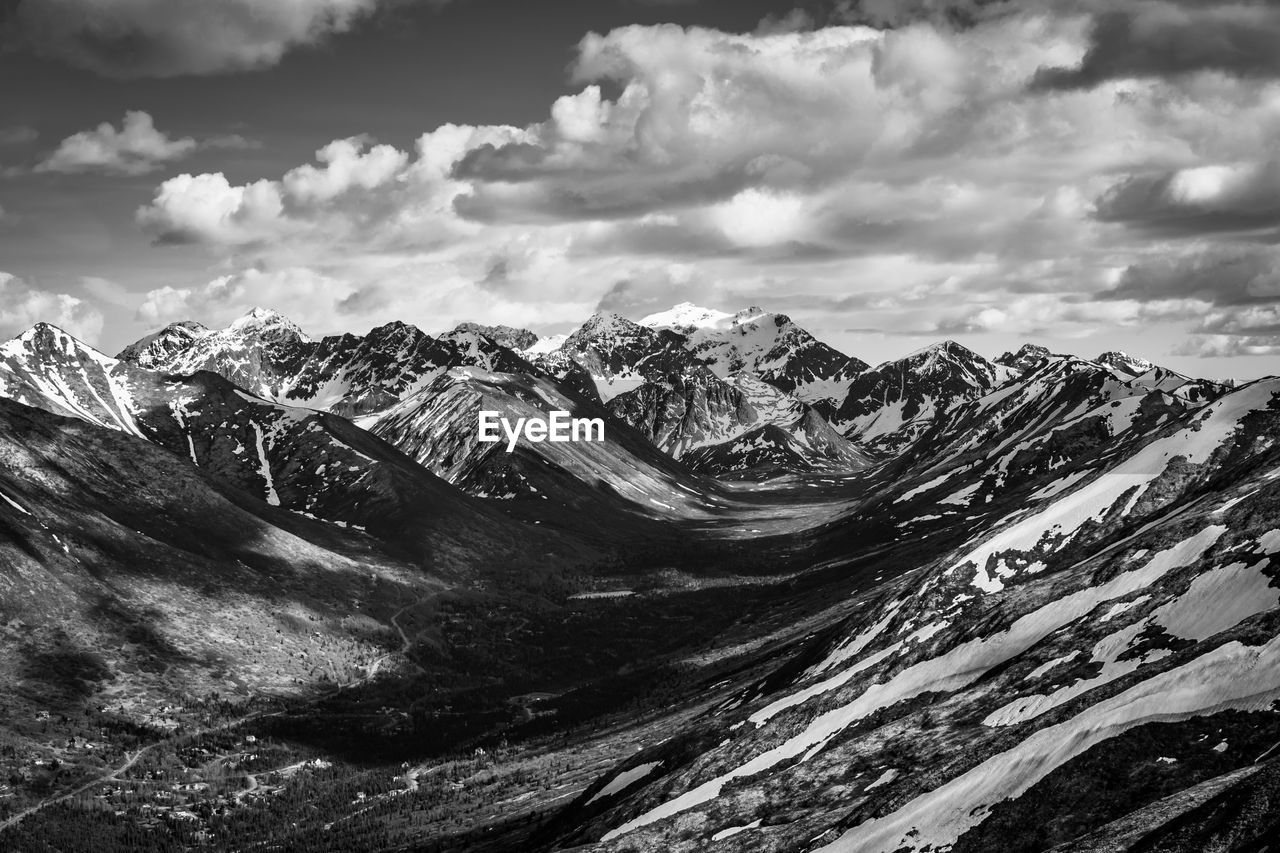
{"x": 19, "y": 134}
{"x": 166, "y": 38}
{"x": 305, "y": 295}
{"x": 209, "y": 209}
{"x": 905, "y": 180}
{"x": 135, "y": 149}
{"x": 1232, "y": 292}
{"x": 897, "y": 13}
{"x": 1236, "y": 197}
{"x": 1228, "y": 346}
{"x": 1223, "y": 276}
{"x": 347, "y": 166}
{"x": 1169, "y": 39}
{"x": 22, "y": 306}
{"x": 361, "y": 195}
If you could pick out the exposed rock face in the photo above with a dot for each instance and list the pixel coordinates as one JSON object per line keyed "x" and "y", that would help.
{"x": 509, "y": 336}
{"x": 889, "y": 406}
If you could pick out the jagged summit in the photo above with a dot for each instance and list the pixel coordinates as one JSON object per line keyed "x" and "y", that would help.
{"x": 154, "y": 348}
{"x": 1121, "y": 361}
{"x": 38, "y": 330}
{"x": 1028, "y": 357}
{"x": 929, "y": 356}
{"x": 508, "y": 336}
{"x": 259, "y": 321}
{"x": 890, "y": 405}
{"x": 605, "y": 321}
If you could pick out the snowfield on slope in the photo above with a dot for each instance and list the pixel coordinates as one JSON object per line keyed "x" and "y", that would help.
{"x": 1064, "y": 518}
{"x": 951, "y": 671}
{"x": 1231, "y": 677}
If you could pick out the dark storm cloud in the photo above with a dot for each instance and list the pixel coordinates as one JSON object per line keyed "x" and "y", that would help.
{"x": 896, "y": 13}
{"x": 164, "y": 38}
{"x": 675, "y": 239}
{"x": 18, "y": 135}
{"x": 1208, "y": 200}
{"x": 541, "y": 196}
{"x": 1167, "y": 39}
{"x": 1223, "y": 277}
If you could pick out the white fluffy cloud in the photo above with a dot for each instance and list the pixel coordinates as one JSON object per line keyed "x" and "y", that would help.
{"x": 914, "y": 181}
{"x": 22, "y": 306}
{"x": 209, "y": 209}
{"x": 163, "y": 38}
{"x": 136, "y": 148}
{"x": 307, "y": 296}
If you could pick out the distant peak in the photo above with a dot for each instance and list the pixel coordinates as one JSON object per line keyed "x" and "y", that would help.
{"x": 606, "y": 320}
{"x": 261, "y": 315}
{"x": 264, "y": 319}
{"x": 507, "y": 336}
{"x": 1121, "y": 361}
{"x": 148, "y": 351}
{"x": 686, "y": 316}
{"x": 950, "y": 348}
{"x": 39, "y": 332}
{"x": 1028, "y": 357}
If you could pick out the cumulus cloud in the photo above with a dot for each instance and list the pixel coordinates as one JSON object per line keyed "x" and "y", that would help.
{"x": 136, "y": 148}
{"x": 22, "y": 306}
{"x": 207, "y": 208}
{"x": 361, "y": 195}
{"x": 164, "y": 38}
{"x": 1169, "y": 39}
{"x": 907, "y": 180}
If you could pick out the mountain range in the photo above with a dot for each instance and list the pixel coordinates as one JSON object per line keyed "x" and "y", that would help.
{"x": 267, "y": 590}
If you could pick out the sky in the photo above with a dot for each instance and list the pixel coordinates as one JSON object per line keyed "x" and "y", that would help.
{"x": 1085, "y": 174}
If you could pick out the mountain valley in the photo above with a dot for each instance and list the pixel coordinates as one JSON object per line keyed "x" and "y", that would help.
{"x": 264, "y": 591}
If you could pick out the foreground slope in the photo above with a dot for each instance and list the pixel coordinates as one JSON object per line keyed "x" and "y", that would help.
{"x": 138, "y": 579}
{"x": 1128, "y": 626}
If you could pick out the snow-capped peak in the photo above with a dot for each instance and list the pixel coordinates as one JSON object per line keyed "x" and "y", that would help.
{"x": 264, "y": 319}
{"x": 1122, "y": 362}
{"x": 544, "y": 345}
{"x": 930, "y": 358}
{"x": 686, "y": 316}
{"x": 753, "y": 313}
{"x": 39, "y": 330}
{"x": 157, "y": 346}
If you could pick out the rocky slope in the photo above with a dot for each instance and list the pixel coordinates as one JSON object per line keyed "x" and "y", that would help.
{"x": 438, "y": 427}
{"x": 733, "y": 425}
{"x": 890, "y": 405}
{"x": 619, "y": 354}
{"x": 1125, "y": 628}
{"x": 1044, "y": 616}
{"x": 767, "y": 345}
{"x": 310, "y": 462}
{"x": 350, "y": 375}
